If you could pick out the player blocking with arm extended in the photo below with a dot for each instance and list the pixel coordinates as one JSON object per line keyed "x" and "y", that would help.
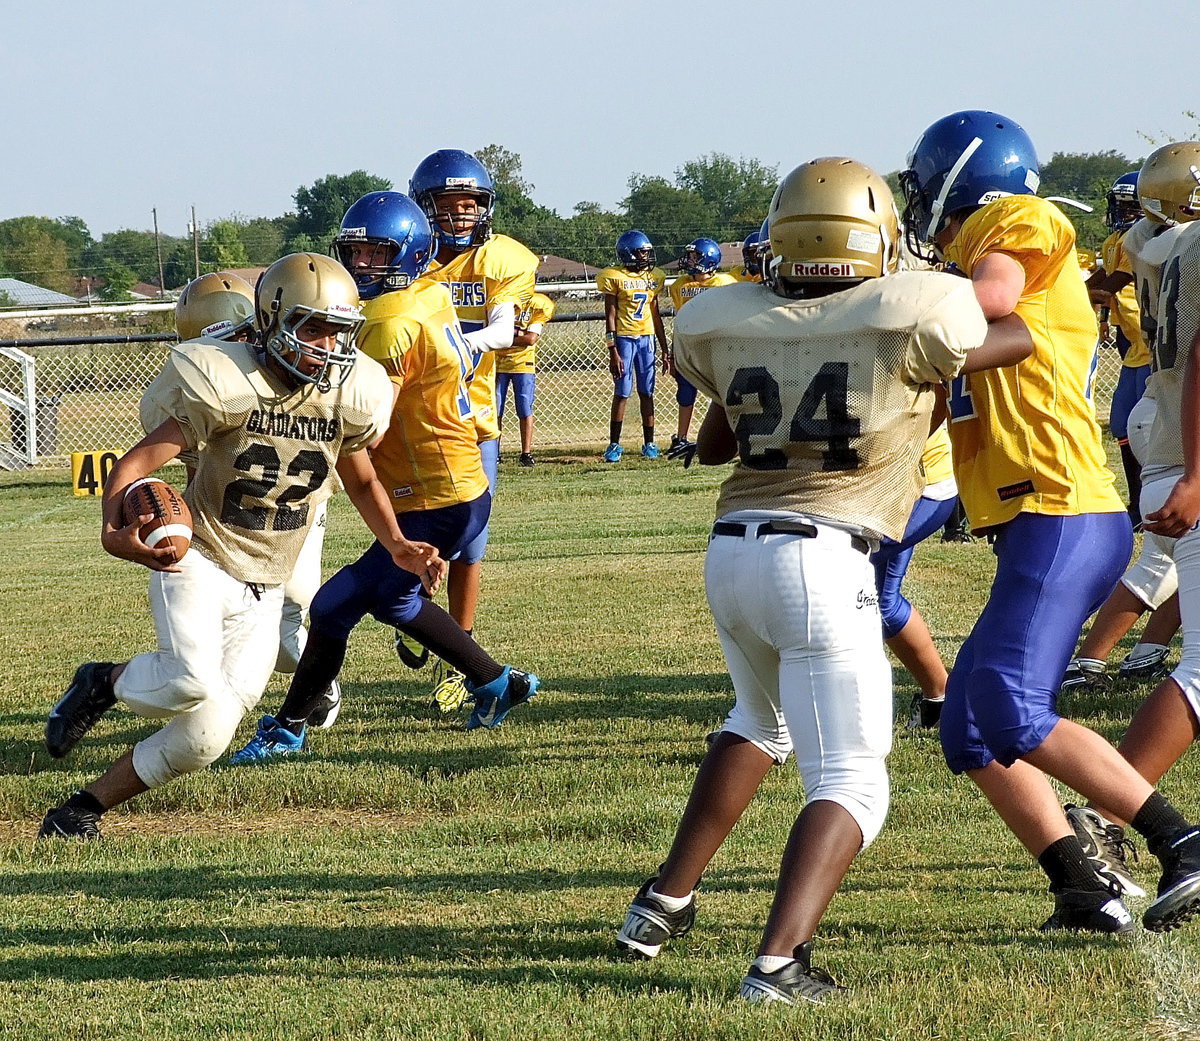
{"x": 221, "y": 306}
{"x": 1031, "y": 470}
{"x": 428, "y": 463}
{"x": 632, "y": 327}
{"x": 269, "y": 423}
{"x": 490, "y": 278}
{"x": 516, "y": 368}
{"x": 700, "y": 260}
{"x": 822, "y": 381}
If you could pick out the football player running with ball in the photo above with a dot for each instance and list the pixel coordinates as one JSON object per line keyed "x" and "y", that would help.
{"x": 823, "y": 382}
{"x": 221, "y": 306}
{"x": 1031, "y": 470}
{"x": 270, "y": 424}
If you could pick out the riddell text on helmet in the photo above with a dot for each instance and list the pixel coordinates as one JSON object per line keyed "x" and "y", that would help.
{"x": 822, "y": 269}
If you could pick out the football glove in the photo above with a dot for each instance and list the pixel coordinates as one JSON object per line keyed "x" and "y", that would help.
{"x": 683, "y": 449}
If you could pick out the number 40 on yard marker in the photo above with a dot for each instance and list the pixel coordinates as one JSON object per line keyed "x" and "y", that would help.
{"x": 89, "y": 471}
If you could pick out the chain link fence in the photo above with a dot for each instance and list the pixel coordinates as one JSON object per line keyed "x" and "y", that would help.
{"x": 87, "y": 392}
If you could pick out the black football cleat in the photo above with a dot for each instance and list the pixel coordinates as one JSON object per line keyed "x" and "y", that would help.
{"x": 1090, "y": 911}
{"x": 70, "y": 822}
{"x": 649, "y": 925}
{"x": 795, "y": 982}
{"x": 1179, "y": 888}
{"x": 88, "y": 697}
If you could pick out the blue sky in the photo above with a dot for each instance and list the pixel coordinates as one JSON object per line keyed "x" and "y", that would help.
{"x": 112, "y": 109}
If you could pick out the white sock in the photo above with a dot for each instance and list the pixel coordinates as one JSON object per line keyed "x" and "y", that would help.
{"x": 671, "y": 903}
{"x": 771, "y": 962}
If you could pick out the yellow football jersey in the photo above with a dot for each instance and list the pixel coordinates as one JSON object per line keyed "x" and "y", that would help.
{"x": 742, "y": 275}
{"x": 1124, "y": 312}
{"x": 830, "y": 398}
{"x": 936, "y": 461}
{"x": 267, "y": 450}
{"x": 686, "y": 286}
{"x": 537, "y": 313}
{"x": 429, "y": 456}
{"x": 1025, "y": 437}
{"x": 501, "y": 271}
{"x": 634, "y": 291}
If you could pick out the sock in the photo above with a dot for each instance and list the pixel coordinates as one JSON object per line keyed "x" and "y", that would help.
{"x": 1067, "y": 866}
{"x": 614, "y": 432}
{"x": 771, "y": 962}
{"x": 933, "y": 701}
{"x": 446, "y": 638}
{"x": 86, "y": 801}
{"x": 671, "y": 903}
{"x": 647, "y": 434}
{"x": 1133, "y": 479}
{"x": 1158, "y": 821}
{"x": 318, "y": 667}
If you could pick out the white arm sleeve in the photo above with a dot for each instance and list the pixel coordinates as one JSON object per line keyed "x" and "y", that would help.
{"x": 498, "y": 333}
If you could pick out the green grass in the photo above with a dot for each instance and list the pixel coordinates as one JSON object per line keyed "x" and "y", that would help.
{"x": 411, "y": 880}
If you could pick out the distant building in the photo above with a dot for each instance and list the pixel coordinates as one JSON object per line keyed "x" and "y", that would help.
{"x": 16, "y": 293}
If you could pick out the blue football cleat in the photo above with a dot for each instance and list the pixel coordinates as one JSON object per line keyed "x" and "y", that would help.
{"x": 270, "y": 741}
{"x": 613, "y": 453}
{"x": 494, "y": 701}
{"x": 649, "y": 450}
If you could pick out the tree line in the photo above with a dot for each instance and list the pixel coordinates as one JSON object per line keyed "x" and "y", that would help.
{"x": 715, "y": 195}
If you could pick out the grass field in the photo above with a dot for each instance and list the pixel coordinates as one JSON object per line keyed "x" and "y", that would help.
{"x": 409, "y": 880}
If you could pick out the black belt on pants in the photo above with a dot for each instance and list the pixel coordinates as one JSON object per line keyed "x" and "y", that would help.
{"x": 783, "y": 527}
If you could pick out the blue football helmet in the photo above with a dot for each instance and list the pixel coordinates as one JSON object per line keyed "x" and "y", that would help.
{"x": 751, "y": 255}
{"x": 399, "y": 232}
{"x": 700, "y": 257}
{"x": 453, "y": 170}
{"x": 635, "y": 251}
{"x": 1123, "y": 210}
{"x": 962, "y": 161}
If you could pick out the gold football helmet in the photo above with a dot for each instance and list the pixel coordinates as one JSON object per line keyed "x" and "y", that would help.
{"x": 306, "y": 309}
{"x": 1168, "y": 185}
{"x": 219, "y": 305}
{"x": 831, "y": 220}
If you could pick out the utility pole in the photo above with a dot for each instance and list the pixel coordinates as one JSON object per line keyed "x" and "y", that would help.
{"x": 196, "y": 241}
{"x": 162, "y": 282}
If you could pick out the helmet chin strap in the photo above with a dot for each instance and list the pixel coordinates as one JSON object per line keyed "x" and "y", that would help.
{"x": 939, "y": 204}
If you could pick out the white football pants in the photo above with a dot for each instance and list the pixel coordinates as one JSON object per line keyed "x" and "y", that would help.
{"x": 298, "y": 593}
{"x": 798, "y": 620}
{"x": 216, "y": 648}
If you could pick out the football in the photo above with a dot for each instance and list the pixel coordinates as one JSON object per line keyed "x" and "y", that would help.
{"x": 172, "y": 523}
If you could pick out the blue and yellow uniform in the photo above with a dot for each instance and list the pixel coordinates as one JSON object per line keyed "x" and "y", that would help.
{"x": 1030, "y": 468}
{"x": 1025, "y": 437}
{"x": 428, "y": 461}
{"x": 517, "y": 366}
{"x": 929, "y": 515}
{"x": 501, "y": 271}
{"x": 687, "y": 287}
{"x": 1135, "y": 354}
{"x": 635, "y": 293}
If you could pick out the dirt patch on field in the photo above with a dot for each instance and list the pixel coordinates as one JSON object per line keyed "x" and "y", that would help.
{"x": 117, "y": 824}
